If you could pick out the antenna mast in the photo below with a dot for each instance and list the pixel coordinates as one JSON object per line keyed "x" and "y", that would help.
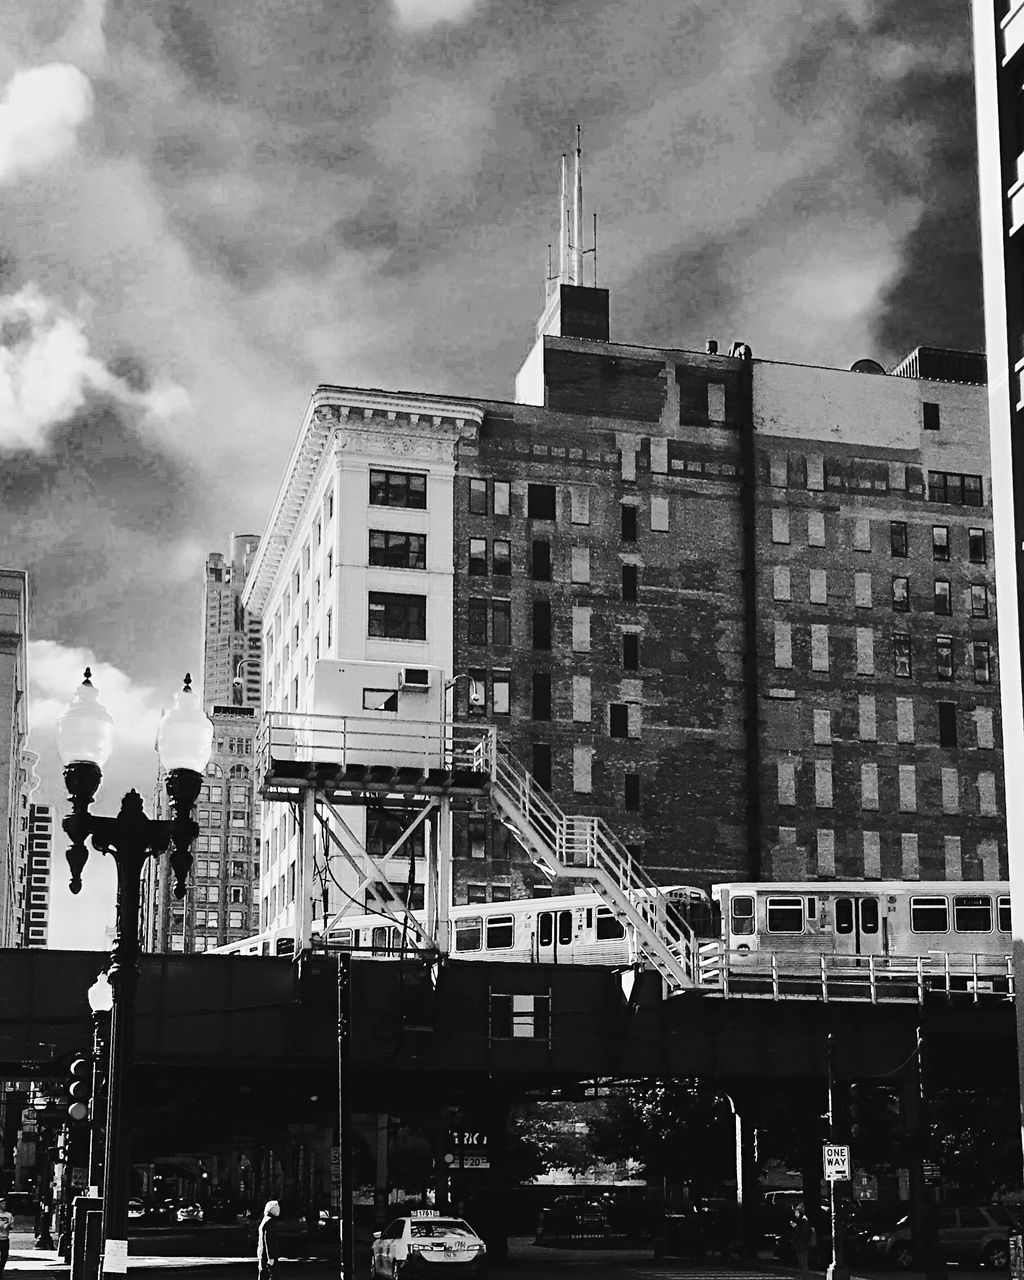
{"x": 577, "y": 212}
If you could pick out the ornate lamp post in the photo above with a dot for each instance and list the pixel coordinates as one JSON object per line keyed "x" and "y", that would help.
{"x": 84, "y": 740}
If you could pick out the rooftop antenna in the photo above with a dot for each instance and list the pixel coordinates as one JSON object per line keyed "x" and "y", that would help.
{"x": 577, "y": 212}
{"x": 563, "y": 226}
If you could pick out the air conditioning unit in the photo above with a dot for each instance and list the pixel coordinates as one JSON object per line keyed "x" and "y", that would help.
{"x": 414, "y": 678}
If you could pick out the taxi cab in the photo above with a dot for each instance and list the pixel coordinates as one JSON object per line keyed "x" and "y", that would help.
{"x": 425, "y": 1242}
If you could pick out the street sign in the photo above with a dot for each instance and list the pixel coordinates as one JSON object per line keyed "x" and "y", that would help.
{"x": 475, "y": 1162}
{"x": 28, "y": 1115}
{"x": 837, "y": 1162}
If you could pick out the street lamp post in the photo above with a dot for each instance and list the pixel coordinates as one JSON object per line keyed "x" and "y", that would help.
{"x": 84, "y": 740}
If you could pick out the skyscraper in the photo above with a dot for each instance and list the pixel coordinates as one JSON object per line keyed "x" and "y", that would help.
{"x": 15, "y": 767}
{"x": 35, "y": 930}
{"x": 231, "y": 635}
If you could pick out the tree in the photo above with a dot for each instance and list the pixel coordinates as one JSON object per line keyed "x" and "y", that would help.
{"x": 551, "y": 1135}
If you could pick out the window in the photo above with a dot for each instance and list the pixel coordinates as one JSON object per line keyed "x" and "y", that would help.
{"x": 400, "y": 550}
{"x": 501, "y": 557}
{"x": 501, "y": 622}
{"x": 630, "y": 578}
{"x": 780, "y": 525}
{"x": 477, "y": 631}
{"x": 478, "y": 557}
{"x": 541, "y": 707}
{"x": 901, "y": 595}
{"x": 330, "y": 627}
{"x": 469, "y": 933}
{"x": 500, "y": 693}
{"x": 501, "y": 495}
{"x": 930, "y": 416}
{"x": 631, "y": 791}
{"x": 979, "y": 601}
{"x": 982, "y": 657}
{"x": 781, "y": 589}
{"x": 817, "y": 586}
{"x": 476, "y": 835}
{"x": 976, "y": 548}
{"x": 606, "y": 927}
{"x": 947, "y": 724}
{"x": 630, "y": 651}
{"x": 579, "y": 571}
{"x": 972, "y": 914}
{"x": 815, "y": 529}
{"x": 1003, "y": 914}
{"x": 940, "y": 542}
{"x": 741, "y": 913}
{"x": 784, "y": 914}
{"x": 901, "y": 659}
{"x": 618, "y": 720}
{"x": 478, "y": 497}
{"x": 629, "y": 522}
{"x": 501, "y": 893}
{"x": 541, "y": 624}
{"x": 540, "y": 764}
{"x": 944, "y": 657}
{"x": 540, "y": 560}
{"x": 540, "y": 501}
{"x": 476, "y": 893}
{"x": 929, "y": 915}
{"x": 659, "y": 515}
{"x": 397, "y": 489}
{"x": 954, "y": 489}
{"x": 500, "y": 933}
{"x": 942, "y": 602}
{"x": 396, "y": 616}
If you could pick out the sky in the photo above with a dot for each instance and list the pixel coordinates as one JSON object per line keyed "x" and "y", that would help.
{"x": 208, "y": 209}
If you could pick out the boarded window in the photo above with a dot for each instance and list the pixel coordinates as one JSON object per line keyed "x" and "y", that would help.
{"x": 815, "y": 528}
{"x": 910, "y": 862}
{"x": 823, "y": 784}
{"x": 862, "y": 590}
{"x": 904, "y": 720}
{"x": 987, "y": 794}
{"x": 983, "y": 724}
{"x": 819, "y": 647}
{"x": 780, "y": 583}
{"x": 580, "y": 629}
{"x": 826, "y": 846}
{"x": 873, "y": 870}
{"x": 659, "y": 456}
{"x": 953, "y": 858}
{"x": 716, "y": 402}
{"x": 818, "y": 586}
{"x": 787, "y": 782}
{"x": 581, "y": 563}
{"x": 815, "y": 471}
{"x": 869, "y": 786}
{"x": 950, "y": 791}
{"x": 581, "y": 707}
{"x": 868, "y": 726}
{"x": 659, "y": 515}
{"x": 579, "y": 500}
{"x": 822, "y": 727}
{"x": 908, "y": 788}
{"x": 862, "y": 534}
{"x": 865, "y": 651}
{"x": 783, "y": 645}
{"x": 780, "y": 525}
{"x": 583, "y": 769}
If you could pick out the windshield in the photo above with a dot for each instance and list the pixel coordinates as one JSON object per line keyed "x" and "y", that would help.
{"x": 439, "y": 1227}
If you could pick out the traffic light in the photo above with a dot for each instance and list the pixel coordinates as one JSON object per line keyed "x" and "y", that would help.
{"x": 80, "y": 1089}
{"x": 855, "y": 1109}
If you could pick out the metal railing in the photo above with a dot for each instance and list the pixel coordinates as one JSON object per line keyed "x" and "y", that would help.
{"x": 879, "y": 979}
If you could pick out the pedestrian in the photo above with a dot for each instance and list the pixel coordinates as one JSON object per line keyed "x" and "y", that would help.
{"x": 266, "y": 1241}
{"x": 6, "y": 1225}
{"x": 802, "y": 1238}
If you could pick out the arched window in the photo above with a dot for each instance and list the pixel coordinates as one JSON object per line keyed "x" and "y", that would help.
{"x": 214, "y": 770}
{"x": 239, "y": 771}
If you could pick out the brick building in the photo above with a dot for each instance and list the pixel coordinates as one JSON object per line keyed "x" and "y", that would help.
{"x": 37, "y": 892}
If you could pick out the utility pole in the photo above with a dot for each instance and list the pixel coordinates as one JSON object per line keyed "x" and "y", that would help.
{"x": 346, "y": 1225}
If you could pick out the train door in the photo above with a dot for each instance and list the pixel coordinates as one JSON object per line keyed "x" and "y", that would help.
{"x": 554, "y": 934}
{"x": 857, "y": 926}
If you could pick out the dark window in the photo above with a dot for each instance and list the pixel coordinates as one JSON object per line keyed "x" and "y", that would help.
{"x": 501, "y": 893}
{"x": 540, "y": 501}
{"x": 501, "y": 557}
{"x": 944, "y": 657}
{"x": 477, "y": 633}
{"x": 398, "y": 616}
{"x": 1003, "y": 918}
{"x": 898, "y": 537}
{"x": 947, "y": 724}
{"x": 469, "y": 933}
{"x": 501, "y": 622}
{"x": 931, "y": 416}
{"x": 972, "y": 491}
{"x": 979, "y": 601}
{"x": 629, "y": 522}
{"x": 541, "y": 695}
{"x": 972, "y": 914}
{"x": 954, "y": 489}
{"x": 540, "y": 561}
{"x": 397, "y": 489}
{"x": 741, "y": 912}
{"x": 901, "y": 594}
{"x": 940, "y": 542}
{"x": 901, "y": 661}
{"x": 476, "y": 893}
{"x": 478, "y": 497}
{"x": 606, "y": 927}
{"x": 500, "y": 932}
{"x": 542, "y": 624}
{"x": 630, "y": 578}
{"x": 982, "y": 662}
{"x": 540, "y": 764}
{"x": 618, "y": 720}
{"x": 631, "y": 790}
{"x": 476, "y": 835}
{"x": 943, "y": 604}
{"x": 630, "y": 651}
{"x": 976, "y": 548}
{"x": 844, "y": 915}
{"x": 784, "y": 915}
{"x": 398, "y": 550}
{"x": 869, "y": 915}
{"x": 478, "y": 557}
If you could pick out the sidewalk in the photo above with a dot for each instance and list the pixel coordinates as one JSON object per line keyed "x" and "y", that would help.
{"x": 25, "y": 1257}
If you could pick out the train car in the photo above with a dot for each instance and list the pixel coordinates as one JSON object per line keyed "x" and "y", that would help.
{"x": 570, "y": 929}
{"x": 958, "y": 927}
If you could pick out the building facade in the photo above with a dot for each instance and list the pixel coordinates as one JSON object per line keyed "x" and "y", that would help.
{"x": 35, "y": 930}
{"x": 231, "y": 636}
{"x": 742, "y": 610}
{"x": 16, "y": 774}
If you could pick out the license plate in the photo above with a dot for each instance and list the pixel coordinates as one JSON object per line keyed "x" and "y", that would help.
{"x": 452, "y": 1248}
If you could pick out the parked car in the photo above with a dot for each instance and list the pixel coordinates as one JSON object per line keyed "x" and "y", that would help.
{"x": 188, "y": 1211}
{"x": 867, "y": 1218}
{"x": 136, "y": 1210}
{"x": 970, "y": 1235}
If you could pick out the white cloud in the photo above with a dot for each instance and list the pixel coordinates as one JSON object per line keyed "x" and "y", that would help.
{"x": 40, "y": 114}
{"x": 46, "y": 371}
{"x": 84, "y": 43}
{"x": 421, "y": 15}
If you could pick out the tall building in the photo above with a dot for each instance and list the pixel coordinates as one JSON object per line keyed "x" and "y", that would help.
{"x": 40, "y": 854}
{"x": 231, "y": 636}
{"x": 743, "y": 610}
{"x": 15, "y": 766}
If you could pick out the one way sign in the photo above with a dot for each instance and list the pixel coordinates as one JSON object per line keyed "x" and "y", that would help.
{"x": 837, "y": 1162}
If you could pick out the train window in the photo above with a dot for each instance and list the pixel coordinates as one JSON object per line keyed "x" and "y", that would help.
{"x": 265, "y": 947}
{"x": 844, "y": 915}
{"x": 469, "y": 933}
{"x": 929, "y": 915}
{"x": 380, "y": 940}
{"x": 286, "y": 946}
{"x": 608, "y": 928}
{"x": 1003, "y": 914}
{"x": 340, "y": 937}
{"x": 785, "y": 915}
{"x": 545, "y": 928}
{"x": 500, "y": 933}
{"x": 972, "y": 914}
{"x": 741, "y": 911}
{"x": 869, "y": 915}
{"x": 564, "y": 928}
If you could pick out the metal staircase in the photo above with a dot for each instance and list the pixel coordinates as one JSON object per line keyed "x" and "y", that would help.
{"x": 584, "y": 848}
